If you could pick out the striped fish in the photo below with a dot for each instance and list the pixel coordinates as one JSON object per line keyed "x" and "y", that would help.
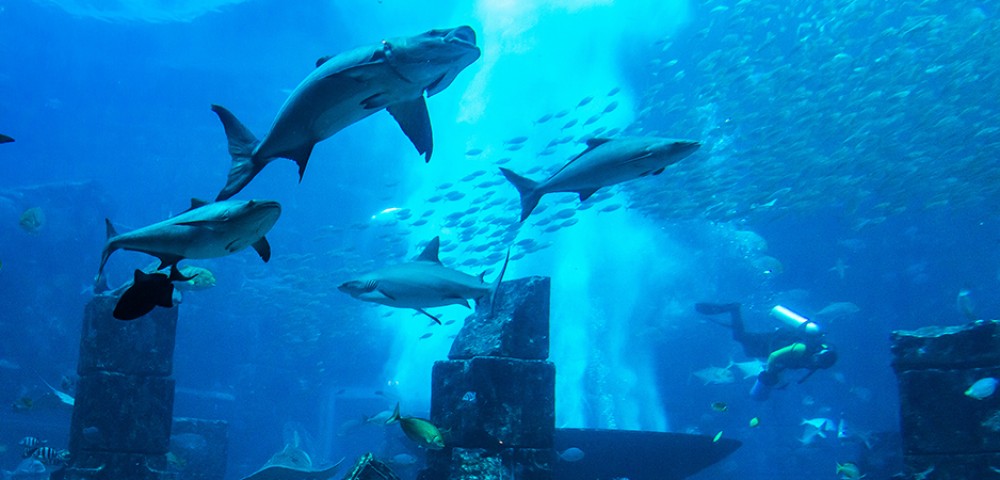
{"x": 30, "y": 444}
{"x": 51, "y": 456}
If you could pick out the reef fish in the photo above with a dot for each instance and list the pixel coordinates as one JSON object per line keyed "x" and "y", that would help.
{"x": 393, "y": 75}
{"x": 605, "y": 162}
{"x": 148, "y": 291}
{"x": 983, "y": 388}
{"x": 421, "y": 284}
{"x": 32, "y": 220}
{"x": 421, "y": 431}
{"x": 207, "y": 230}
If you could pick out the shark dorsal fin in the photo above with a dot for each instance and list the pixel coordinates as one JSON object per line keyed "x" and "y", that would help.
{"x": 197, "y": 202}
{"x": 430, "y": 253}
{"x": 321, "y": 60}
{"x": 595, "y": 142}
{"x": 110, "y": 228}
{"x": 592, "y": 143}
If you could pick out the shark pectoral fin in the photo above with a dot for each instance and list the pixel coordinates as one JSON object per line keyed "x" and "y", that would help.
{"x": 167, "y": 260}
{"x": 177, "y": 276}
{"x": 263, "y": 249}
{"x": 585, "y": 194}
{"x": 416, "y": 124}
{"x": 376, "y": 102}
{"x": 461, "y": 301}
{"x": 5, "y": 139}
{"x": 429, "y": 315}
{"x": 300, "y": 156}
{"x": 386, "y": 295}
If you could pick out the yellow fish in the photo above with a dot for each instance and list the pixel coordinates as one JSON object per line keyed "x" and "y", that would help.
{"x": 849, "y": 471}
{"x": 419, "y": 430}
{"x": 754, "y": 422}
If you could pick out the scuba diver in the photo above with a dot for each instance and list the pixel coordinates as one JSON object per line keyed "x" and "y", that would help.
{"x": 799, "y": 347}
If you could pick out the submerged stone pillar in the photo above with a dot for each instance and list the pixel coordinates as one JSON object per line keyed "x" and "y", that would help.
{"x": 947, "y": 434}
{"x": 125, "y": 396}
{"x": 496, "y": 393}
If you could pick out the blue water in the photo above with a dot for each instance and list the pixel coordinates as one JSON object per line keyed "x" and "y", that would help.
{"x": 885, "y": 165}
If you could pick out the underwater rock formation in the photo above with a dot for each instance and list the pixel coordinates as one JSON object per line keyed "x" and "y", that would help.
{"x": 518, "y": 333}
{"x": 496, "y": 393}
{"x": 949, "y": 431}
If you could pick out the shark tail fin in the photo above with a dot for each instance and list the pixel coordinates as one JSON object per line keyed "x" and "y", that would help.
{"x": 527, "y": 188}
{"x": 495, "y": 289}
{"x": 395, "y": 415}
{"x": 242, "y": 144}
{"x": 101, "y": 283}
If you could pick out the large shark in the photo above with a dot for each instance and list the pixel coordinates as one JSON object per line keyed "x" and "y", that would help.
{"x": 422, "y": 283}
{"x": 5, "y": 139}
{"x": 207, "y": 230}
{"x": 393, "y": 75}
{"x": 605, "y": 162}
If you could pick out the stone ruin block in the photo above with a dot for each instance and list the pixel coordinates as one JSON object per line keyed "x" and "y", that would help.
{"x": 969, "y": 346}
{"x": 519, "y": 463}
{"x": 947, "y": 434}
{"x": 144, "y": 346}
{"x": 952, "y": 467}
{"x": 115, "y": 466}
{"x": 368, "y": 468}
{"x": 517, "y": 328}
{"x": 490, "y": 464}
{"x": 492, "y": 402}
{"x": 201, "y": 448}
{"x": 122, "y": 413}
{"x": 938, "y": 418}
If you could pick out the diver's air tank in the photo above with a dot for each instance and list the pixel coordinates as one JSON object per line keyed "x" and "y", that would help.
{"x": 794, "y": 320}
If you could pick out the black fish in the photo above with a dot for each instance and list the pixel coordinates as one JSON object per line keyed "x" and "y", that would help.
{"x": 5, "y": 139}
{"x": 147, "y": 291}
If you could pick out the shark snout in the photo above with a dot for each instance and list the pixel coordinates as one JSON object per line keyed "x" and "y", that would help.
{"x": 463, "y": 34}
{"x": 684, "y": 147}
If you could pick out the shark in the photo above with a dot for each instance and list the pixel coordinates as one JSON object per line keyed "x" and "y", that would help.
{"x": 605, "y": 162}
{"x": 206, "y": 230}
{"x": 394, "y": 75}
{"x": 5, "y": 139}
{"x": 423, "y": 283}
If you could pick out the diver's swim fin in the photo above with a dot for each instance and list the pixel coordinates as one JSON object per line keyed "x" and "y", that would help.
{"x": 716, "y": 308}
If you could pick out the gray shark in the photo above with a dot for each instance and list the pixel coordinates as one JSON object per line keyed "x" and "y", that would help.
{"x": 207, "y": 230}
{"x": 422, "y": 283}
{"x": 5, "y": 139}
{"x": 605, "y": 162}
{"x": 345, "y": 88}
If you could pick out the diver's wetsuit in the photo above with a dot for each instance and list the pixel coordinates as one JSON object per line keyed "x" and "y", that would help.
{"x": 755, "y": 344}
